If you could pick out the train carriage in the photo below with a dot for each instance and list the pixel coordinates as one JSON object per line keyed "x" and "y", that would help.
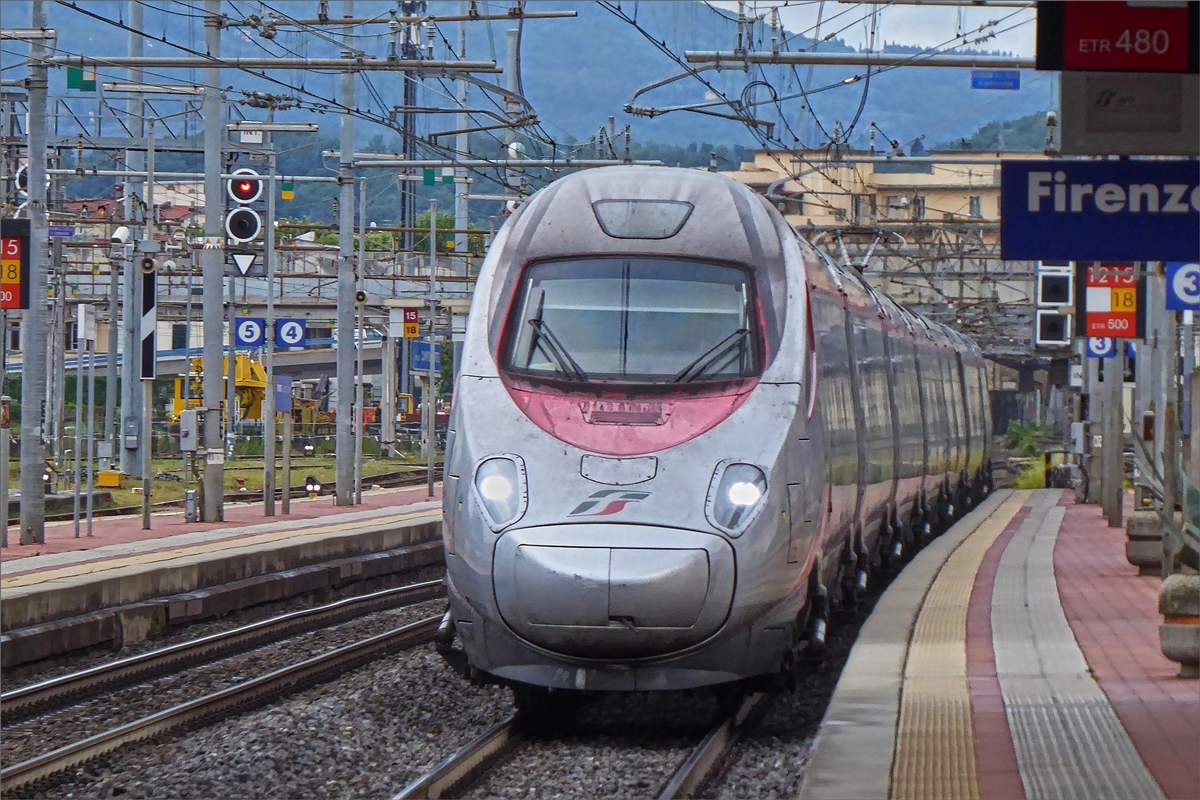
{"x": 681, "y": 437}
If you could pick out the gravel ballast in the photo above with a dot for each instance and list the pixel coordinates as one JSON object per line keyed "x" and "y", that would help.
{"x": 366, "y": 735}
{"x": 621, "y": 745}
{"x": 63, "y": 726}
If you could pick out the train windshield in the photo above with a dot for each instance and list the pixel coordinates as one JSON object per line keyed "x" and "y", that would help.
{"x": 634, "y": 320}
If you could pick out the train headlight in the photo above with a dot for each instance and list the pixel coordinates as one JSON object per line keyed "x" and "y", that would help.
{"x": 734, "y": 496}
{"x": 500, "y": 487}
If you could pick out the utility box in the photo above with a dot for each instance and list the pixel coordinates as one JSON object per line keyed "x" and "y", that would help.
{"x": 108, "y": 479}
{"x": 189, "y": 431}
{"x": 191, "y": 508}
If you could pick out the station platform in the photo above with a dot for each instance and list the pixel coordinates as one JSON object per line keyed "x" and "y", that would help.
{"x": 69, "y": 592}
{"x": 1016, "y": 656}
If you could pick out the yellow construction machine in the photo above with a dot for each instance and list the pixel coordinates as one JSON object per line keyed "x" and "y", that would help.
{"x": 250, "y": 382}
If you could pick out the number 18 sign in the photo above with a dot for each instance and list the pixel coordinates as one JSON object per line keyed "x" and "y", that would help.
{"x": 1112, "y": 301}
{"x": 14, "y": 264}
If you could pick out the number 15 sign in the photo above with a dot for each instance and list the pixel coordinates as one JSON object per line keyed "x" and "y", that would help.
{"x": 14, "y": 263}
{"x": 1114, "y": 301}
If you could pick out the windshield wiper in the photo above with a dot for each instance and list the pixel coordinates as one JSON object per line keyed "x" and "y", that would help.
{"x": 556, "y": 350}
{"x": 712, "y": 356}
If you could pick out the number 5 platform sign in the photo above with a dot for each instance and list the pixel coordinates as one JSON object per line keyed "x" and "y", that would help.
{"x": 1113, "y": 301}
{"x": 14, "y": 263}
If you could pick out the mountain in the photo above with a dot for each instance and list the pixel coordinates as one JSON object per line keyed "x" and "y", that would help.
{"x": 576, "y": 72}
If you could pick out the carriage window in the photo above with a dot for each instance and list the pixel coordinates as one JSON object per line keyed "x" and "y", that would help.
{"x": 633, "y": 320}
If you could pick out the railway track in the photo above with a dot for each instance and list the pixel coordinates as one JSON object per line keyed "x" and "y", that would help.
{"x": 19, "y": 704}
{"x": 207, "y": 709}
{"x": 469, "y": 764}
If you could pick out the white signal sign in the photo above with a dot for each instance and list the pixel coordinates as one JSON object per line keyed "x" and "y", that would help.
{"x": 244, "y": 262}
{"x": 290, "y": 332}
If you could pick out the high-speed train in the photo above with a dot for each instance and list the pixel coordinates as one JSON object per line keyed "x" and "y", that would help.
{"x": 682, "y": 437}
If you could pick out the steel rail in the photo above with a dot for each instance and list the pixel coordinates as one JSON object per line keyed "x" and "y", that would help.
{"x": 228, "y": 701}
{"x": 476, "y": 758}
{"x": 469, "y": 762}
{"x": 691, "y": 776}
{"x": 20, "y": 703}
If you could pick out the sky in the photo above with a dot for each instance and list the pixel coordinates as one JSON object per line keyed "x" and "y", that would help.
{"x": 927, "y": 25}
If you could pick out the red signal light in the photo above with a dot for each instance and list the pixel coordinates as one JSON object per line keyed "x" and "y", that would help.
{"x": 246, "y": 187}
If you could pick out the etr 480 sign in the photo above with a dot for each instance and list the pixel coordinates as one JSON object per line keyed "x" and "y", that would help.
{"x": 1115, "y": 36}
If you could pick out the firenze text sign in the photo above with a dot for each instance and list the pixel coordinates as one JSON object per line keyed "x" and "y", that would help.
{"x": 1100, "y": 210}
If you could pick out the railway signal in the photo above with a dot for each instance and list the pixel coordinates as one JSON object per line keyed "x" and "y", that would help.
{"x": 242, "y": 223}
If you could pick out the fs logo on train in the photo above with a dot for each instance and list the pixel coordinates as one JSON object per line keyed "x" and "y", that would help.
{"x": 607, "y": 502}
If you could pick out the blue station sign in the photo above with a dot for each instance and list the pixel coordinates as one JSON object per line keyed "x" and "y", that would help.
{"x": 1004, "y": 79}
{"x": 1100, "y": 210}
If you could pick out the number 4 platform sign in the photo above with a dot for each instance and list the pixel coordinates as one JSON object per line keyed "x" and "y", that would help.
{"x": 1113, "y": 301}
{"x": 14, "y": 263}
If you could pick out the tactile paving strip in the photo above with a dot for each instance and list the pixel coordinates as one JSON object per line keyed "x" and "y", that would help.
{"x": 935, "y": 750}
{"x": 1068, "y": 740}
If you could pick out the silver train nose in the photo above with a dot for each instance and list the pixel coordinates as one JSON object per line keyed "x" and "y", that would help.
{"x": 613, "y": 591}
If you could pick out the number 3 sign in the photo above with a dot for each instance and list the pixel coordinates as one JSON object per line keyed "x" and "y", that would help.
{"x": 1183, "y": 286}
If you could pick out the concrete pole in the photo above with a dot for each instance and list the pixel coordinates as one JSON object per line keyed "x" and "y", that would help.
{"x": 462, "y": 146}
{"x": 148, "y": 285}
{"x": 187, "y": 357}
{"x": 1189, "y": 345}
{"x": 1158, "y": 322}
{"x": 78, "y": 418}
{"x": 269, "y": 400}
{"x": 345, "y": 283}
{"x": 387, "y": 400}
{"x": 286, "y": 501}
{"x": 91, "y": 445}
{"x": 33, "y": 382}
{"x": 5, "y": 449}
{"x": 429, "y": 414}
{"x": 1114, "y": 448}
{"x": 111, "y": 387}
{"x": 514, "y": 177}
{"x": 1095, "y": 415}
{"x": 359, "y": 385}
{"x": 212, "y": 266}
{"x": 131, "y": 393}
{"x": 55, "y": 399}
{"x": 231, "y": 401}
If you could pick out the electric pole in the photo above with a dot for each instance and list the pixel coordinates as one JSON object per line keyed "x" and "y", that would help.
{"x": 462, "y": 145}
{"x": 212, "y": 264}
{"x": 33, "y": 383}
{"x": 345, "y": 280}
{"x": 131, "y": 390}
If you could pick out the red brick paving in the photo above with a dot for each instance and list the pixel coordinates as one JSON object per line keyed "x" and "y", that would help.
{"x": 1113, "y": 613}
{"x": 995, "y": 757}
{"x": 60, "y": 536}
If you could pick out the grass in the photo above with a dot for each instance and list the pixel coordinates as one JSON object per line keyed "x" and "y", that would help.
{"x": 1032, "y": 477}
{"x": 248, "y": 470}
{"x": 1024, "y": 440}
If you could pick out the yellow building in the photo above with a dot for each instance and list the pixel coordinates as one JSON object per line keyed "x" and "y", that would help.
{"x": 925, "y": 229}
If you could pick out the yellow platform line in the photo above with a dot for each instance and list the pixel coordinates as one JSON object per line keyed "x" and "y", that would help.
{"x": 935, "y": 748}
{"x": 156, "y": 556}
